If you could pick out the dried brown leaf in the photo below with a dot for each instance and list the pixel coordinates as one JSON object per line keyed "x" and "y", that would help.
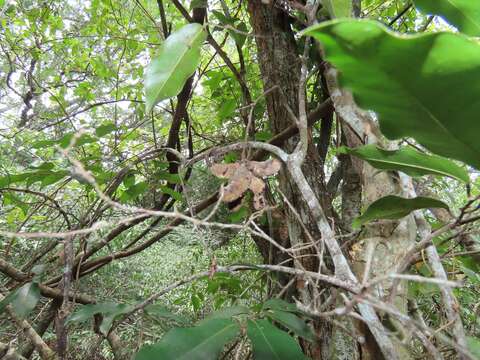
{"x": 238, "y": 184}
{"x": 264, "y": 168}
{"x": 225, "y": 171}
{"x": 257, "y": 185}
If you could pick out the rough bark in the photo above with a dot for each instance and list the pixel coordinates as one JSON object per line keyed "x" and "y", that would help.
{"x": 381, "y": 244}
{"x": 280, "y": 69}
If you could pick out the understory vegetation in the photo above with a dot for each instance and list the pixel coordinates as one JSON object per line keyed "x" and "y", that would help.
{"x": 239, "y": 179}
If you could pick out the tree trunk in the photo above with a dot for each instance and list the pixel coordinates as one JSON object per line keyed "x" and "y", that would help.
{"x": 280, "y": 69}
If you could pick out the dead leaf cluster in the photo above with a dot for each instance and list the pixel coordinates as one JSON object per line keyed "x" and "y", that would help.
{"x": 246, "y": 175}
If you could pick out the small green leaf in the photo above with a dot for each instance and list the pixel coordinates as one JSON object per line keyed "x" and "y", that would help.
{"x": 176, "y": 61}
{"x": 270, "y": 343}
{"x": 161, "y": 311}
{"x": 105, "y": 129}
{"x": 464, "y": 14}
{"x": 239, "y": 216}
{"x": 394, "y": 207}
{"x": 293, "y": 323}
{"x": 409, "y": 161}
{"x": 23, "y": 300}
{"x": 239, "y": 34}
{"x": 227, "y": 109}
{"x": 201, "y": 342}
{"x": 110, "y": 311}
{"x": 136, "y": 190}
{"x": 129, "y": 180}
{"x": 409, "y": 81}
{"x": 174, "y": 194}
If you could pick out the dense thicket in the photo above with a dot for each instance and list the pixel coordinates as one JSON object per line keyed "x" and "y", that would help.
{"x": 256, "y": 179}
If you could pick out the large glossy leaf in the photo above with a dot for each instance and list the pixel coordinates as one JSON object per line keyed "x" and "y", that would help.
{"x": 464, "y": 14}
{"x": 271, "y": 343}
{"x": 176, "y": 61}
{"x": 109, "y": 310}
{"x": 409, "y": 161}
{"x": 410, "y": 82}
{"x": 204, "y": 341}
{"x": 395, "y": 207}
{"x": 293, "y": 323}
{"x": 23, "y": 300}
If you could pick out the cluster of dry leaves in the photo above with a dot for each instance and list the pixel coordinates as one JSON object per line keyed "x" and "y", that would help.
{"x": 246, "y": 175}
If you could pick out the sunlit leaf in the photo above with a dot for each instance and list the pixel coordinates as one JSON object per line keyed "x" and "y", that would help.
{"x": 338, "y": 8}
{"x": 409, "y": 81}
{"x": 394, "y": 207}
{"x": 464, "y": 14}
{"x": 176, "y": 61}
{"x": 409, "y": 161}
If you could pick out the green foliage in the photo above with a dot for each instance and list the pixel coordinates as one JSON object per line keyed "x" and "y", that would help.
{"x": 292, "y": 322}
{"x": 270, "y": 343}
{"x": 408, "y": 82}
{"x": 464, "y": 14}
{"x": 204, "y": 341}
{"x": 209, "y": 336}
{"x": 338, "y": 8}
{"x": 23, "y": 300}
{"x": 474, "y": 346}
{"x": 407, "y": 160}
{"x": 109, "y": 311}
{"x": 175, "y": 62}
{"x": 394, "y": 207}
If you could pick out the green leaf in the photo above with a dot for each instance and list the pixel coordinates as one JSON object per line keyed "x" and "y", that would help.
{"x": 394, "y": 207}
{"x": 338, "y": 8}
{"x": 109, "y": 310}
{"x": 136, "y": 190}
{"x": 129, "y": 180}
{"x": 105, "y": 129}
{"x": 270, "y": 343}
{"x": 23, "y": 300}
{"x": 281, "y": 305}
{"x": 163, "y": 312}
{"x": 176, "y": 61}
{"x": 229, "y": 312}
{"x": 201, "y": 342}
{"x": 409, "y": 81}
{"x": 293, "y": 323}
{"x": 463, "y": 14}
{"x": 239, "y": 34}
{"x": 409, "y": 161}
{"x": 174, "y": 194}
{"x": 227, "y": 109}
{"x": 474, "y": 346}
